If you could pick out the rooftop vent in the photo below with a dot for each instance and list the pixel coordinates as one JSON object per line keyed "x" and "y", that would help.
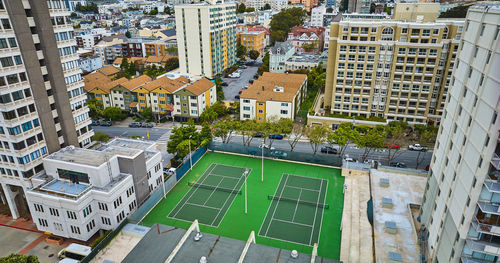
{"x": 390, "y": 227}
{"x": 278, "y": 89}
{"x": 384, "y": 182}
{"x": 387, "y": 202}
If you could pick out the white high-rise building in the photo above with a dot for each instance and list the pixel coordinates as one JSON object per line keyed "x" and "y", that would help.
{"x": 41, "y": 93}
{"x": 317, "y": 15}
{"x": 460, "y": 211}
{"x": 206, "y": 37}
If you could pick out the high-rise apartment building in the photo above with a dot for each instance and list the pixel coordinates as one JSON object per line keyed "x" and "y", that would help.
{"x": 460, "y": 210}
{"x": 206, "y": 37}
{"x": 359, "y": 6}
{"x": 390, "y": 69}
{"x": 42, "y": 99}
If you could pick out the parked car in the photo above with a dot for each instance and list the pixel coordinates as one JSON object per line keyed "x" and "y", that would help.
{"x": 417, "y": 147}
{"x": 95, "y": 123}
{"x": 148, "y": 125}
{"x": 249, "y": 63}
{"x": 239, "y": 92}
{"x": 266, "y": 147}
{"x": 106, "y": 123}
{"x": 135, "y": 125}
{"x": 276, "y": 136}
{"x": 235, "y": 75}
{"x": 246, "y": 87}
{"x": 398, "y": 164}
{"x": 237, "y": 97}
{"x": 256, "y": 76}
{"x": 351, "y": 160}
{"x": 258, "y": 135}
{"x": 328, "y": 150}
{"x": 243, "y": 66}
{"x": 250, "y": 81}
{"x": 223, "y": 84}
{"x": 393, "y": 146}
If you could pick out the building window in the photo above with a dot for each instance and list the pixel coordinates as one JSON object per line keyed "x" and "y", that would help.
{"x": 54, "y": 212}
{"x": 43, "y": 222}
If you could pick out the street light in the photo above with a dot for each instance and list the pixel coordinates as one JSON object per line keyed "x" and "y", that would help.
{"x": 262, "y": 170}
{"x": 245, "y": 173}
{"x": 190, "y": 155}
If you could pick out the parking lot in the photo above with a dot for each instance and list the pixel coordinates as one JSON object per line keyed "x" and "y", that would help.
{"x": 237, "y": 84}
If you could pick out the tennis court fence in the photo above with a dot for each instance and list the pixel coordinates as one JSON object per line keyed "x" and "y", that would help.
{"x": 156, "y": 196}
{"x": 254, "y": 151}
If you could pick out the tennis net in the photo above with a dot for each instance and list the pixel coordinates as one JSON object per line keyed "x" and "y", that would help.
{"x": 216, "y": 188}
{"x": 277, "y": 198}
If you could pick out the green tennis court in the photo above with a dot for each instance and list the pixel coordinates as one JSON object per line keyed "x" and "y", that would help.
{"x": 296, "y": 210}
{"x": 233, "y": 222}
{"x": 211, "y": 195}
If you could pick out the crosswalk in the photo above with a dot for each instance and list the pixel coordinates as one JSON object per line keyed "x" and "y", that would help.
{"x": 164, "y": 138}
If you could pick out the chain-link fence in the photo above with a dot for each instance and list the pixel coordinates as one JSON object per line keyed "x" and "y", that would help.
{"x": 272, "y": 153}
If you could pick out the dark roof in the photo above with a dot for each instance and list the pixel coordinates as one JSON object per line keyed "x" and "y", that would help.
{"x": 168, "y": 32}
{"x": 282, "y": 46}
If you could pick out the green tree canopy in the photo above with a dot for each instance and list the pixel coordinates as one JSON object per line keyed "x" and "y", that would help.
{"x": 317, "y": 135}
{"x": 128, "y": 34}
{"x": 283, "y": 22}
{"x": 343, "y": 136}
{"x": 241, "y": 8}
{"x": 267, "y": 6}
{"x": 100, "y": 137}
{"x": 241, "y": 51}
{"x": 171, "y": 64}
{"x": 372, "y": 139}
{"x": 253, "y": 54}
{"x": 113, "y": 113}
{"x": 16, "y": 258}
{"x": 180, "y": 135}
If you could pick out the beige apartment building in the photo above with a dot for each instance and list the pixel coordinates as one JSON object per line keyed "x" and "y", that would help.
{"x": 389, "y": 69}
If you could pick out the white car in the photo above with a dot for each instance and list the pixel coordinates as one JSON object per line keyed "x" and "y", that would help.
{"x": 235, "y": 75}
{"x": 417, "y": 147}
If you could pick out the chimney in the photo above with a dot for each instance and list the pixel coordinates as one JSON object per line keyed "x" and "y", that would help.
{"x": 262, "y": 88}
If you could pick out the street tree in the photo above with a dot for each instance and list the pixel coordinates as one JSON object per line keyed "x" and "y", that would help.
{"x": 395, "y": 132}
{"x": 317, "y": 135}
{"x": 372, "y": 139}
{"x": 343, "y": 136}
{"x": 426, "y": 138}
{"x": 113, "y": 113}
{"x": 179, "y": 134}
{"x": 100, "y": 137}
{"x": 298, "y": 131}
{"x": 253, "y": 54}
{"x": 208, "y": 115}
{"x": 241, "y": 51}
{"x": 95, "y": 108}
{"x": 224, "y": 129}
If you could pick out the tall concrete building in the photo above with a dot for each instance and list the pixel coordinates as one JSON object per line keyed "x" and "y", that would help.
{"x": 390, "y": 69}
{"x": 460, "y": 210}
{"x": 206, "y": 37}
{"x": 41, "y": 92}
{"x": 359, "y": 6}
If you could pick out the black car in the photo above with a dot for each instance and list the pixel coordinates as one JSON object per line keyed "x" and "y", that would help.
{"x": 106, "y": 123}
{"x": 237, "y": 97}
{"x": 223, "y": 84}
{"x": 256, "y": 76}
{"x": 250, "y": 81}
{"x": 398, "y": 164}
{"x": 258, "y": 135}
{"x": 95, "y": 123}
{"x": 328, "y": 150}
{"x": 276, "y": 136}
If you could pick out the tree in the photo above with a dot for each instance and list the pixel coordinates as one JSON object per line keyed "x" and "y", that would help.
{"x": 172, "y": 50}
{"x": 208, "y": 115}
{"x": 147, "y": 113}
{"x": 267, "y": 6}
{"x": 308, "y": 47}
{"x": 100, "y": 137}
{"x": 395, "y": 136}
{"x": 179, "y": 135}
{"x": 95, "y": 108}
{"x": 298, "y": 131}
{"x": 154, "y": 11}
{"x": 128, "y": 34}
{"x": 426, "y": 137}
{"x": 282, "y": 23}
{"x": 171, "y": 64}
{"x": 317, "y": 135}
{"x": 16, "y": 258}
{"x": 455, "y": 12}
{"x": 265, "y": 64}
{"x": 73, "y": 14}
{"x": 205, "y": 135}
{"x": 113, "y": 113}
{"x": 373, "y": 139}
{"x": 343, "y": 136}
{"x": 247, "y": 130}
{"x": 253, "y": 54}
{"x": 124, "y": 65}
{"x": 224, "y": 129}
{"x": 241, "y": 51}
{"x": 241, "y": 8}
{"x": 249, "y": 10}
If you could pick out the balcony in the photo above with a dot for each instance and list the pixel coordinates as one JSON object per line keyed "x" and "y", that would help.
{"x": 487, "y": 207}
{"x": 484, "y": 227}
{"x": 469, "y": 259}
{"x": 483, "y": 247}
{"x": 495, "y": 161}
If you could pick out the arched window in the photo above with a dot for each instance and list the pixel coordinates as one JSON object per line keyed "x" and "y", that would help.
{"x": 387, "y": 34}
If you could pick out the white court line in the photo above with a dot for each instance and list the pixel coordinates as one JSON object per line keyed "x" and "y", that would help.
{"x": 297, "y": 205}
{"x": 204, "y": 206}
{"x": 321, "y": 223}
{"x": 293, "y": 223}
{"x": 276, "y": 208}
{"x": 269, "y": 208}
{"x": 301, "y": 188}
{"x": 225, "y": 176}
{"x": 307, "y": 178}
{"x": 204, "y": 177}
{"x": 316, "y": 212}
{"x": 229, "y": 196}
{"x": 213, "y": 191}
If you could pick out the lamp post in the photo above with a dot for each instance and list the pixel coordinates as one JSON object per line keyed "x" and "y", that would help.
{"x": 190, "y": 155}
{"x": 262, "y": 170}
{"x": 245, "y": 174}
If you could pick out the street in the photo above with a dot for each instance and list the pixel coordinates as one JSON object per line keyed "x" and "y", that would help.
{"x": 161, "y": 136}
{"x": 237, "y": 84}
{"x": 405, "y": 156}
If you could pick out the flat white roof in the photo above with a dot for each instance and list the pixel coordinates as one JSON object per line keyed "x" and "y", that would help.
{"x": 80, "y": 249}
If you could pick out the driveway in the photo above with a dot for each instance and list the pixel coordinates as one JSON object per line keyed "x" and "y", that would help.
{"x": 237, "y": 84}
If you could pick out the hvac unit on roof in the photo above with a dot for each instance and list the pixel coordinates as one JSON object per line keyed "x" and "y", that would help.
{"x": 278, "y": 89}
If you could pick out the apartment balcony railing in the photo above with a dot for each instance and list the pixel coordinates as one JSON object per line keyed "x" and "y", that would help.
{"x": 485, "y": 228}
{"x": 487, "y": 207}
{"x": 495, "y": 161}
{"x": 483, "y": 247}
{"x": 469, "y": 259}
{"x": 492, "y": 185}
